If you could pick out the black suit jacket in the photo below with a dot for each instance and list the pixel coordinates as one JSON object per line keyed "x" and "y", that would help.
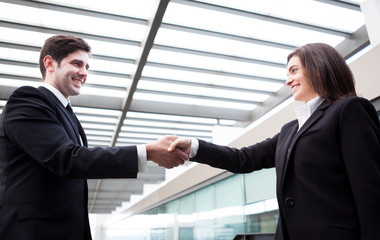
{"x": 328, "y": 172}
{"x": 43, "y": 167}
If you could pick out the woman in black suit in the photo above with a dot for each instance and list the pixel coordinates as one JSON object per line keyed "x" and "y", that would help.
{"x": 327, "y": 162}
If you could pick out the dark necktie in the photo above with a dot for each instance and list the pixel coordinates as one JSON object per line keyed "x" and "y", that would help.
{"x": 74, "y": 119}
{"x": 72, "y": 114}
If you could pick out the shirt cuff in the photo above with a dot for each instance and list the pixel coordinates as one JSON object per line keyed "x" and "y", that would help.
{"x": 141, "y": 157}
{"x": 194, "y": 147}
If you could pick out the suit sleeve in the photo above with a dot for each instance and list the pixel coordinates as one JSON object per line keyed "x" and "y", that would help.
{"x": 247, "y": 159}
{"x": 31, "y": 123}
{"x": 360, "y": 142}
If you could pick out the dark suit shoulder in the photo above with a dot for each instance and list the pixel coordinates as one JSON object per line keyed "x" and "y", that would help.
{"x": 26, "y": 95}
{"x": 354, "y": 104}
{"x": 26, "y": 90}
{"x": 289, "y": 125}
{"x": 352, "y": 101}
{"x": 357, "y": 109}
{"x": 27, "y": 102}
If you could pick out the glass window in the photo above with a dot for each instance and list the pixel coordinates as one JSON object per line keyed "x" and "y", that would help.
{"x": 255, "y": 190}
{"x": 218, "y": 211}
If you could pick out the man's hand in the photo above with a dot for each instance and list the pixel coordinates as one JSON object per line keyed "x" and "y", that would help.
{"x": 158, "y": 153}
{"x": 184, "y": 144}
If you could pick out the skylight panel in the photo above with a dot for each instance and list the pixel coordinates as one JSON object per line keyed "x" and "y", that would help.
{"x": 354, "y": 1}
{"x": 216, "y": 64}
{"x": 85, "y": 90}
{"x": 98, "y": 138}
{"x": 214, "y": 79}
{"x": 97, "y": 126}
{"x": 200, "y": 91}
{"x": 194, "y": 101}
{"x": 99, "y": 80}
{"x": 96, "y": 119}
{"x": 72, "y": 22}
{"x": 19, "y": 55}
{"x": 20, "y": 71}
{"x": 18, "y": 83}
{"x": 227, "y": 122}
{"x": 169, "y": 125}
{"x": 166, "y": 117}
{"x": 114, "y": 49}
{"x": 98, "y": 143}
{"x": 152, "y": 136}
{"x": 132, "y": 140}
{"x": 139, "y": 9}
{"x": 97, "y": 111}
{"x": 32, "y": 38}
{"x": 22, "y": 36}
{"x": 163, "y": 131}
{"x": 203, "y": 42}
{"x": 99, "y": 133}
{"x": 307, "y": 11}
{"x": 111, "y": 66}
{"x": 244, "y": 26}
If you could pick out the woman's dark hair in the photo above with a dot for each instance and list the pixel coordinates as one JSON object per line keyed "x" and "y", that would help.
{"x": 326, "y": 70}
{"x": 59, "y": 47}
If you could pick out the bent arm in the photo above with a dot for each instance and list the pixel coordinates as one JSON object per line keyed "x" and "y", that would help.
{"x": 32, "y": 125}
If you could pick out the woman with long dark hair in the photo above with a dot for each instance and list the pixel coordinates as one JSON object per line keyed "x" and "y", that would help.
{"x": 327, "y": 161}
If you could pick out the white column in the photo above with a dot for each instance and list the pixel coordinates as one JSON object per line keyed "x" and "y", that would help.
{"x": 371, "y": 12}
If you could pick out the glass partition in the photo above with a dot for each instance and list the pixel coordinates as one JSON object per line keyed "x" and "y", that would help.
{"x": 241, "y": 203}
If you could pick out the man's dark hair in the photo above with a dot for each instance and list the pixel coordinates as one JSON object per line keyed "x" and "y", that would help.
{"x": 326, "y": 70}
{"x": 59, "y": 47}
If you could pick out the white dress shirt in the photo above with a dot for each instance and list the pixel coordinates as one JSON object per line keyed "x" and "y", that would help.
{"x": 304, "y": 111}
{"x": 141, "y": 149}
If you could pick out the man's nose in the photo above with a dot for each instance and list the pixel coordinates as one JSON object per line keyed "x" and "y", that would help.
{"x": 83, "y": 72}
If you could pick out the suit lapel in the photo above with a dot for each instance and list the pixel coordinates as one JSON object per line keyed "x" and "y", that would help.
{"x": 78, "y": 132}
{"x": 294, "y": 135}
{"x": 284, "y": 157}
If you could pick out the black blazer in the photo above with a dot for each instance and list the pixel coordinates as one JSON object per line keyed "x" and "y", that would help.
{"x": 328, "y": 172}
{"x": 43, "y": 167}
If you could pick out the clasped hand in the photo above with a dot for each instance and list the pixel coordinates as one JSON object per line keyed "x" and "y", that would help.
{"x": 168, "y": 151}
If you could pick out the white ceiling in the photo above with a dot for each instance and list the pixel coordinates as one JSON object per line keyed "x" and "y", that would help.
{"x": 171, "y": 67}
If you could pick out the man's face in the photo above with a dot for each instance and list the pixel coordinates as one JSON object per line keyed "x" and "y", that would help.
{"x": 71, "y": 74}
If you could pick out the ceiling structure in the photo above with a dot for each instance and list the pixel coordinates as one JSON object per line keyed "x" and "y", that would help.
{"x": 171, "y": 67}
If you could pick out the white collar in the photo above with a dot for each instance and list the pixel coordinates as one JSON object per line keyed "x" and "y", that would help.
{"x": 57, "y": 93}
{"x": 304, "y": 111}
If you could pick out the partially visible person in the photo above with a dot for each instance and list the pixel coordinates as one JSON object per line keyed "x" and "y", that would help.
{"x": 327, "y": 162}
{"x": 44, "y": 158}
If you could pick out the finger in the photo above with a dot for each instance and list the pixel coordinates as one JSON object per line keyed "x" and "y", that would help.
{"x": 174, "y": 144}
{"x": 171, "y": 138}
{"x": 181, "y": 155}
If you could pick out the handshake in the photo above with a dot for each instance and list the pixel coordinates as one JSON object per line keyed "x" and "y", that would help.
{"x": 169, "y": 151}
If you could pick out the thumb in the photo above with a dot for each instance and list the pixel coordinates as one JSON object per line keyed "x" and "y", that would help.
{"x": 173, "y": 145}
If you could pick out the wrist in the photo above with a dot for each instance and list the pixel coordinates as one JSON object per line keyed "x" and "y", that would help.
{"x": 149, "y": 151}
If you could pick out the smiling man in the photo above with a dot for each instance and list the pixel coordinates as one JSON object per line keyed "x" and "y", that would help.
{"x": 44, "y": 158}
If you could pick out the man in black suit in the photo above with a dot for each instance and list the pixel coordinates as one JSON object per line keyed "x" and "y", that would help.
{"x": 44, "y": 158}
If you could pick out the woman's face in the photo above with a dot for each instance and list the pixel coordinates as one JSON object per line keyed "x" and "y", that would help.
{"x": 298, "y": 82}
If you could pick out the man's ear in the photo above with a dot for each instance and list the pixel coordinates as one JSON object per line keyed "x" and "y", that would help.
{"x": 49, "y": 63}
